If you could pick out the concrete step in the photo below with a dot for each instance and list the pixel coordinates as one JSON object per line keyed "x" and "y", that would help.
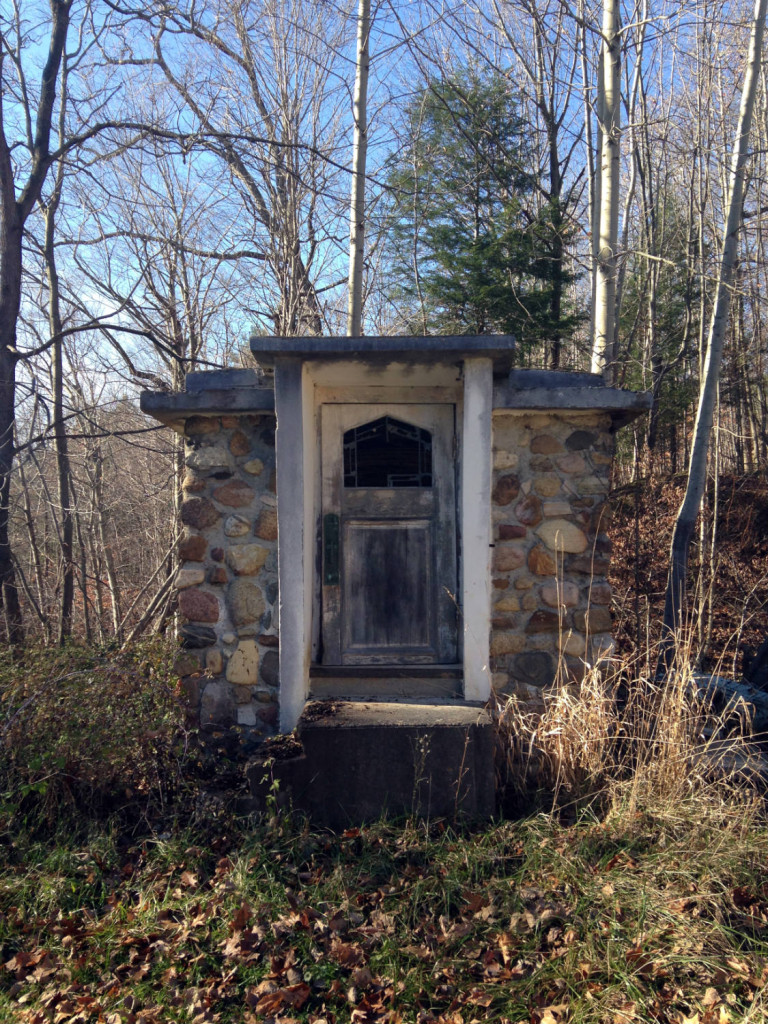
{"x": 358, "y": 760}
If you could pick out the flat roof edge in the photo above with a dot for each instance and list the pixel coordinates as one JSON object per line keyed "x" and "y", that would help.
{"x": 173, "y": 408}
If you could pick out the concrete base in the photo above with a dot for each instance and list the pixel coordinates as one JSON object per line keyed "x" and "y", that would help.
{"x": 360, "y": 760}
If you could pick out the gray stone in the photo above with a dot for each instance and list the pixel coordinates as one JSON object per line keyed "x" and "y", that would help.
{"x": 536, "y": 668}
{"x": 236, "y": 526}
{"x": 270, "y": 668}
{"x": 245, "y": 602}
{"x": 218, "y": 705}
{"x": 193, "y": 636}
{"x": 209, "y": 458}
{"x": 247, "y": 559}
{"x": 189, "y": 577}
{"x": 579, "y": 440}
{"x": 199, "y": 513}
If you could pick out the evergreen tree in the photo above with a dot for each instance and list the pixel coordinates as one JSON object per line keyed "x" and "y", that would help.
{"x": 470, "y": 256}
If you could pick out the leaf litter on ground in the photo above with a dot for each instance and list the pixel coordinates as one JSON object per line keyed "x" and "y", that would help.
{"x": 527, "y": 921}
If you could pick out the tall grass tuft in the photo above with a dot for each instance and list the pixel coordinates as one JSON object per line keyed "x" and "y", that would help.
{"x": 627, "y": 742}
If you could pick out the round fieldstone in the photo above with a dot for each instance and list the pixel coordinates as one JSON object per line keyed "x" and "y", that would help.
{"x": 540, "y": 464}
{"x": 218, "y": 705}
{"x": 245, "y": 602}
{"x": 247, "y": 559}
{"x": 506, "y": 490}
{"x": 268, "y": 715}
{"x": 509, "y": 531}
{"x": 196, "y": 637}
{"x": 579, "y": 440}
{"x": 599, "y": 593}
{"x": 507, "y": 559}
{"x": 186, "y": 664}
{"x": 506, "y": 643}
{"x": 254, "y": 467}
{"x": 547, "y": 485}
{"x": 236, "y": 494}
{"x": 559, "y": 595}
{"x": 197, "y": 425}
{"x": 214, "y": 661}
{"x": 236, "y": 526}
{"x": 217, "y": 554}
{"x": 239, "y": 443}
{"x": 545, "y": 444}
{"x": 562, "y": 535}
{"x": 591, "y": 565}
{"x": 537, "y": 668}
{"x": 593, "y": 620}
{"x": 199, "y": 513}
{"x": 198, "y": 606}
{"x": 189, "y": 577}
{"x": 209, "y": 459}
{"x": 543, "y": 622}
{"x": 529, "y": 511}
{"x": 218, "y": 575}
{"x": 270, "y": 668}
{"x": 265, "y": 526}
{"x": 573, "y": 463}
{"x": 193, "y": 549}
{"x": 243, "y": 666}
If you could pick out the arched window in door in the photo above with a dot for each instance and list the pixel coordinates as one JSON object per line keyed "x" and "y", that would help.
{"x": 387, "y": 453}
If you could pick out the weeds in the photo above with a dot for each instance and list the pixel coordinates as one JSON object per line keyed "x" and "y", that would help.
{"x": 84, "y": 733}
{"x": 627, "y": 742}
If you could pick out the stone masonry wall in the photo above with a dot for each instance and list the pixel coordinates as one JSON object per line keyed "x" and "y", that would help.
{"x": 551, "y": 602}
{"x": 227, "y": 583}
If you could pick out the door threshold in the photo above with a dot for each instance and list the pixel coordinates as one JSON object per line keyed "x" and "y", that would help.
{"x": 452, "y": 671}
{"x": 388, "y": 682}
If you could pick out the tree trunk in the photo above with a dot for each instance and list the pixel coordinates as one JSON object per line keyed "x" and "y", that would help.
{"x": 697, "y": 470}
{"x": 359, "y": 153}
{"x": 609, "y": 114}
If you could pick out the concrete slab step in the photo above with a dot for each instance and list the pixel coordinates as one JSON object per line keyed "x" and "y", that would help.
{"x": 361, "y": 759}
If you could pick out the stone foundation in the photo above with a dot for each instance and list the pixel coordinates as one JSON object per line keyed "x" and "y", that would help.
{"x": 551, "y": 602}
{"x": 227, "y": 583}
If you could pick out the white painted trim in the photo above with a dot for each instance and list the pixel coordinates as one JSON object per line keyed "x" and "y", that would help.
{"x": 294, "y": 443}
{"x": 475, "y": 508}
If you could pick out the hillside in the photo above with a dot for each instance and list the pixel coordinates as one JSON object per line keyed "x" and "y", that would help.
{"x": 737, "y": 590}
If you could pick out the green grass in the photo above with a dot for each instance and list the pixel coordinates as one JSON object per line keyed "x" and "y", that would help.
{"x": 639, "y": 919}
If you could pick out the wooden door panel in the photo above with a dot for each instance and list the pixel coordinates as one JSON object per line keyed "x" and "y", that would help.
{"x": 392, "y": 600}
{"x": 387, "y": 577}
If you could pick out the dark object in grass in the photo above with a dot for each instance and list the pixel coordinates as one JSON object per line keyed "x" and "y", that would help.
{"x": 756, "y": 666}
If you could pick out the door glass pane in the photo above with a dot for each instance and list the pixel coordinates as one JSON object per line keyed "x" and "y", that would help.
{"x": 387, "y": 453}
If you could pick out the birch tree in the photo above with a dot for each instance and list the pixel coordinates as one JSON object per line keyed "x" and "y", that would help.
{"x": 609, "y": 116}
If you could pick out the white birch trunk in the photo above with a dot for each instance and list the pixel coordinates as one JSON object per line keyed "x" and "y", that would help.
{"x": 607, "y": 213}
{"x": 697, "y": 470}
{"x": 359, "y": 153}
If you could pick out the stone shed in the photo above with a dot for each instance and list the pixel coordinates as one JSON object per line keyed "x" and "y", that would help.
{"x": 389, "y": 519}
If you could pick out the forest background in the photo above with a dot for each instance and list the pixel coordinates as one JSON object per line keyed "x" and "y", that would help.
{"x": 174, "y": 176}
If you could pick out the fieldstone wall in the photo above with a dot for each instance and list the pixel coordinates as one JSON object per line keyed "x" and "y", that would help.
{"x": 551, "y": 602}
{"x": 227, "y": 583}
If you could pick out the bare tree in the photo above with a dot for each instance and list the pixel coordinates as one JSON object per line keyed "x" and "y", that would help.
{"x": 359, "y": 152}
{"x": 609, "y": 115}
{"x": 697, "y": 470}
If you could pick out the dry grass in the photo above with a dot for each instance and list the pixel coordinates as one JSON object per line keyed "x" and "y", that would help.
{"x": 630, "y": 742}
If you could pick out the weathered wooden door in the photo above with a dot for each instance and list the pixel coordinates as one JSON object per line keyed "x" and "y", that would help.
{"x": 389, "y": 535}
